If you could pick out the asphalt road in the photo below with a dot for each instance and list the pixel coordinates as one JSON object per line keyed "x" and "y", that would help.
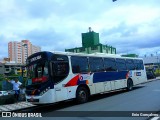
{"x": 144, "y": 97}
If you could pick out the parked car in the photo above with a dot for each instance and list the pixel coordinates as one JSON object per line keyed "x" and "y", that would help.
{"x": 3, "y": 93}
{"x": 11, "y": 92}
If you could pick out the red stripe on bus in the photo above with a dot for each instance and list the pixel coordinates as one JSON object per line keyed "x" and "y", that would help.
{"x": 73, "y": 81}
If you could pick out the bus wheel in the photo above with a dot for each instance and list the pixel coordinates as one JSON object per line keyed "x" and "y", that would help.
{"x": 129, "y": 84}
{"x": 82, "y": 95}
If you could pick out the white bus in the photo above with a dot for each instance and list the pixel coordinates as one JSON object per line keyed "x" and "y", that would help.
{"x": 55, "y": 76}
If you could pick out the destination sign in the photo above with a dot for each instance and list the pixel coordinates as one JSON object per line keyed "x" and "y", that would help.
{"x": 35, "y": 58}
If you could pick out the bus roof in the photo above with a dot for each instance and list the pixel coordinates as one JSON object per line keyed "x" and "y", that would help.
{"x": 92, "y": 55}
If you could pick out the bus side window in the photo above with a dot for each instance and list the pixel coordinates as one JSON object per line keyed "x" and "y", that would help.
{"x": 130, "y": 64}
{"x": 60, "y": 71}
{"x": 139, "y": 64}
{"x": 96, "y": 64}
{"x": 61, "y": 68}
{"x": 110, "y": 64}
{"x": 121, "y": 64}
{"x": 79, "y": 64}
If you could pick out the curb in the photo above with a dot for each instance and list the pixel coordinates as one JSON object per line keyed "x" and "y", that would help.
{"x": 150, "y": 80}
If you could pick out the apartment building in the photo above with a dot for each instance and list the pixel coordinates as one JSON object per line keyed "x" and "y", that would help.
{"x": 19, "y": 51}
{"x": 15, "y": 51}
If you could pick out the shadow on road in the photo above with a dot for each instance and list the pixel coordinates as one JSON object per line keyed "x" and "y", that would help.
{"x": 110, "y": 94}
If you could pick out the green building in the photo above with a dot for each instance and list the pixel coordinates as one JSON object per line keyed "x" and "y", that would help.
{"x": 130, "y": 55}
{"x": 91, "y": 44}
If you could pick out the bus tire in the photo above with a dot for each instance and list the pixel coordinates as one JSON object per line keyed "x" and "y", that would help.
{"x": 129, "y": 85}
{"x": 82, "y": 95}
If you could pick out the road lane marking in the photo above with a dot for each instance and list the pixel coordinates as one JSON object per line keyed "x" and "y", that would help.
{"x": 15, "y": 106}
{"x": 155, "y": 118}
{"x": 157, "y": 90}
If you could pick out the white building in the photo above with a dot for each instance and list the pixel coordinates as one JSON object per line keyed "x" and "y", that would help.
{"x": 151, "y": 59}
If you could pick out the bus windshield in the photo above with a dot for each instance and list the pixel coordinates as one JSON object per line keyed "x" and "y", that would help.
{"x": 37, "y": 72}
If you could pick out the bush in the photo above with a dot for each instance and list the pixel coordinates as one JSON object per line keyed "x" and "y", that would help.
{"x": 157, "y": 72}
{"x": 2, "y": 77}
{"x": 0, "y": 85}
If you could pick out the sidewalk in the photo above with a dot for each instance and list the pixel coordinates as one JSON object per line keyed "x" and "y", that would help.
{"x": 15, "y": 106}
{"x": 150, "y": 80}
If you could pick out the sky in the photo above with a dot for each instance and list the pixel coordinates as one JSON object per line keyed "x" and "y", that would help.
{"x": 132, "y": 26}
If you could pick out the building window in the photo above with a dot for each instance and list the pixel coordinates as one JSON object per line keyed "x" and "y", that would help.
{"x": 82, "y": 49}
{"x": 72, "y": 50}
{"x": 94, "y": 48}
{"x": 106, "y": 50}
{"x": 7, "y": 69}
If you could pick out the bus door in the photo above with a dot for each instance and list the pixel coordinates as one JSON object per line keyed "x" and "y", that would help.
{"x": 139, "y": 76}
{"x": 60, "y": 72}
{"x": 61, "y": 93}
{"x": 139, "y": 71}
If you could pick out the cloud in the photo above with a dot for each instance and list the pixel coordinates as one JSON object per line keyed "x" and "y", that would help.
{"x": 130, "y": 26}
{"x": 4, "y": 46}
{"x": 49, "y": 39}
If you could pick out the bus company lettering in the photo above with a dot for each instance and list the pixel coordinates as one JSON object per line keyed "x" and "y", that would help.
{"x": 138, "y": 73}
{"x": 35, "y": 58}
{"x": 60, "y": 59}
{"x": 84, "y": 77}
